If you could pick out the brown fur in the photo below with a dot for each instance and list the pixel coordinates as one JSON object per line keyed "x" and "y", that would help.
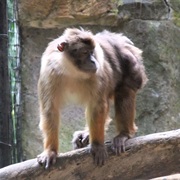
{"x": 91, "y": 69}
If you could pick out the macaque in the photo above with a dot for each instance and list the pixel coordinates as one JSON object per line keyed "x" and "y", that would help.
{"x": 92, "y": 70}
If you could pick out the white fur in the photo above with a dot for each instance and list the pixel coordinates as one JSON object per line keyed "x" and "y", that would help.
{"x": 62, "y": 64}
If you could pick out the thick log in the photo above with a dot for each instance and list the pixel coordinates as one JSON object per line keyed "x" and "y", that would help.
{"x": 146, "y": 157}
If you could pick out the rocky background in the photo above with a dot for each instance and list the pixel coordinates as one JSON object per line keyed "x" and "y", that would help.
{"x": 153, "y": 25}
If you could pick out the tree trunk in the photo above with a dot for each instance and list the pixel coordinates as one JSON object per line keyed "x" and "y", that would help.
{"x": 146, "y": 157}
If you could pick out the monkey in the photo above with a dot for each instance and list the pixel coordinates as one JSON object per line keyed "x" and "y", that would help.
{"x": 90, "y": 69}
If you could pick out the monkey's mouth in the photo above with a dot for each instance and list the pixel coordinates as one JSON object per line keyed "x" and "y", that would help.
{"x": 89, "y": 68}
{"x": 90, "y": 71}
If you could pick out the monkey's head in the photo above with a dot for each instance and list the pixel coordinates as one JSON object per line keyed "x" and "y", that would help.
{"x": 78, "y": 46}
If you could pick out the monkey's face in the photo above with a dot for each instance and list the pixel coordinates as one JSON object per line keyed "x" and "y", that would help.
{"x": 82, "y": 56}
{"x": 80, "y": 52}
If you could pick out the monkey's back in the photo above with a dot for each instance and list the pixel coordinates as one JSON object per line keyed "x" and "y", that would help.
{"x": 124, "y": 58}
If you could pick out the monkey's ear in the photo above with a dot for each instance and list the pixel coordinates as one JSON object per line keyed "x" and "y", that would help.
{"x": 61, "y": 46}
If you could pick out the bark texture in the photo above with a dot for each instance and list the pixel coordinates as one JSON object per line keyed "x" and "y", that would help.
{"x": 146, "y": 157}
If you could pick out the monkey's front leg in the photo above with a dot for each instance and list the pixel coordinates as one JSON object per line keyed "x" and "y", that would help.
{"x": 49, "y": 124}
{"x": 96, "y": 120}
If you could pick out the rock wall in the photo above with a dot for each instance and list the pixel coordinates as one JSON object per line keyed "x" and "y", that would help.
{"x": 153, "y": 25}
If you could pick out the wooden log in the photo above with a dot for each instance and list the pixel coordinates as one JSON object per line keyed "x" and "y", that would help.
{"x": 146, "y": 157}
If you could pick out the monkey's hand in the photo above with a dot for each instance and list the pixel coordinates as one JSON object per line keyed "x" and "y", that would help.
{"x": 119, "y": 143}
{"x": 80, "y": 139}
{"x": 99, "y": 154}
{"x": 47, "y": 158}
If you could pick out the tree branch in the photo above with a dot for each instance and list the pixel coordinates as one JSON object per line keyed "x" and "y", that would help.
{"x": 146, "y": 157}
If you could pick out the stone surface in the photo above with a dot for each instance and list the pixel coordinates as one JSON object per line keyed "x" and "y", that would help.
{"x": 175, "y": 9}
{"x": 146, "y": 10}
{"x": 59, "y": 14}
{"x": 153, "y": 25}
{"x": 159, "y": 104}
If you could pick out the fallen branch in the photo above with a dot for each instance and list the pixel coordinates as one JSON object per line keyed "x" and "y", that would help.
{"x": 146, "y": 157}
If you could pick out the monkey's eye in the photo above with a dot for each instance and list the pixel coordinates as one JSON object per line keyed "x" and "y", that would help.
{"x": 74, "y": 50}
{"x": 85, "y": 52}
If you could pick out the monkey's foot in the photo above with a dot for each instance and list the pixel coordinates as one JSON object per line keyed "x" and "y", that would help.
{"x": 80, "y": 139}
{"x": 47, "y": 158}
{"x": 119, "y": 143}
{"x": 99, "y": 154}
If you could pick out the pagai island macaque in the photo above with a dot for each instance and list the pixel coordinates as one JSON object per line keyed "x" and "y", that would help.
{"x": 92, "y": 69}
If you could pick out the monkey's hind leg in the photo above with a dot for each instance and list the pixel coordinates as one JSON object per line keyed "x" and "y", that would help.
{"x": 80, "y": 139}
{"x": 124, "y": 116}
